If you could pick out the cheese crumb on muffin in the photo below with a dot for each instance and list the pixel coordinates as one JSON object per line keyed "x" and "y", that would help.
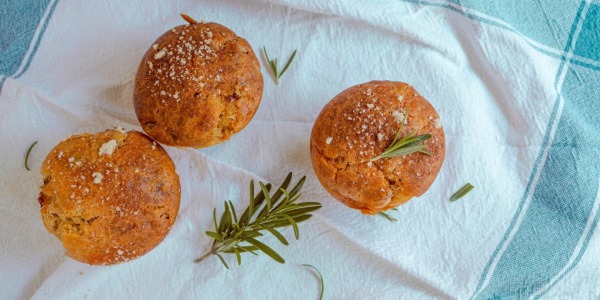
{"x": 94, "y": 201}
{"x": 359, "y": 124}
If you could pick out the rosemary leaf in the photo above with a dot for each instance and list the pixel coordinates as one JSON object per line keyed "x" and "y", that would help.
{"x": 238, "y": 256}
{"x": 281, "y": 190}
{"x": 267, "y": 197}
{"x": 251, "y": 233}
{"x": 298, "y": 209}
{"x": 214, "y": 235}
{"x": 222, "y": 260}
{"x": 235, "y": 219}
{"x": 225, "y": 219}
{"x": 258, "y": 201}
{"x": 215, "y": 219}
{"x": 301, "y": 212}
{"x": 285, "y": 223}
{"x": 276, "y": 234}
{"x": 250, "y": 249}
{"x": 264, "y": 248}
{"x": 387, "y": 216}
{"x": 287, "y": 65}
{"x": 251, "y": 206}
{"x": 294, "y": 225}
{"x": 298, "y": 186}
{"x": 242, "y": 249}
{"x": 245, "y": 218}
{"x": 320, "y": 279}
{"x": 27, "y": 155}
{"x": 462, "y": 192}
{"x": 415, "y": 140}
{"x": 266, "y": 54}
{"x": 265, "y": 212}
{"x": 275, "y": 65}
{"x": 403, "y": 151}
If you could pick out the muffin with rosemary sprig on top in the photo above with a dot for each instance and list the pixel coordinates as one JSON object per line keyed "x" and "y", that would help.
{"x": 376, "y": 145}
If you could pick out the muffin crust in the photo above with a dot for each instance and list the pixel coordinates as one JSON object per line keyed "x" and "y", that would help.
{"x": 197, "y": 85}
{"x": 356, "y": 126}
{"x": 109, "y": 197}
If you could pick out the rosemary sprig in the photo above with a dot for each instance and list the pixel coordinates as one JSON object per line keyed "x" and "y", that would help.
{"x": 387, "y": 216}
{"x": 320, "y": 279}
{"x": 408, "y": 144}
{"x": 462, "y": 192}
{"x": 27, "y": 155}
{"x": 266, "y": 212}
{"x": 274, "y": 64}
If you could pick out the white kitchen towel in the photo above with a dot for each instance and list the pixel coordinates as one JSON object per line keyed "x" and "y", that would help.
{"x": 516, "y": 84}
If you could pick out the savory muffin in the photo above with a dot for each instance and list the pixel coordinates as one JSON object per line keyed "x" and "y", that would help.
{"x": 109, "y": 197}
{"x": 197, "y": 85}
{"x": 358, "y": 125}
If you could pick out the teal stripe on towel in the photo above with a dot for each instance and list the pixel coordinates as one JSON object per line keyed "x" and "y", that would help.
{"x": 591, "y": 63}
{"x": 19, "y": 20}
{"x": 545, "y": 21}
{"x": 581, "y": 84}
{"x": 587, "y": 44}
{"x": 37, "y": 42}
{"x": 562, "y": 203}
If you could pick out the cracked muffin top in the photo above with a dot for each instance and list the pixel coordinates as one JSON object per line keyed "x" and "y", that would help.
{"x": 109, "y": 197}
{"x": 358, "y": 125}
{"x": 197, "y": 85}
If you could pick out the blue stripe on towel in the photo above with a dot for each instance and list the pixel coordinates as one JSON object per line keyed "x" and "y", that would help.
{"x": 559, "y": 221}
{"x": 558, "y": 213}
{"x": 587, "y": 44}
{"x": 545, "y": 21}
{"x": 486, "y": 19}
{"x": 19, "y": 20}
{"x": 583, "y": 119}
{"x": 37, "y": 42}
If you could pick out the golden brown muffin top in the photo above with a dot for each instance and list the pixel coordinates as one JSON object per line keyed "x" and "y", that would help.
{"x": 359, "y": 124}
{"x": 109, "y": 197}
{"x": 197, "y": 85}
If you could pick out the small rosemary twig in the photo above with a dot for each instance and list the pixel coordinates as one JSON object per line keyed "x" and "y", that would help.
{"x": 274, "y": 64}
{"x": 320, "y": 279}
{"x": 462, "y": 192}
{"x": 27, "y": 155}
{"x": 408, "y": 144}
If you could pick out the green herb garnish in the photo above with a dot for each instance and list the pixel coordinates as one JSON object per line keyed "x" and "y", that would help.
{"x": 274, "y": 64}
{"x": 320, "y": 279}
{"x": 387, "y": 216}
{"x": 27, "y": 155}
{"x": 265, "y": 212}
{"x": 409, "y": 144}
{"x": 462, "y": 192}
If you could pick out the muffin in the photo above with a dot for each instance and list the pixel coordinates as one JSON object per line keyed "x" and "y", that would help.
{"x": 109, "y": 197}
{"x": 197, "y": 85}
{"x": 358, "y": 125}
